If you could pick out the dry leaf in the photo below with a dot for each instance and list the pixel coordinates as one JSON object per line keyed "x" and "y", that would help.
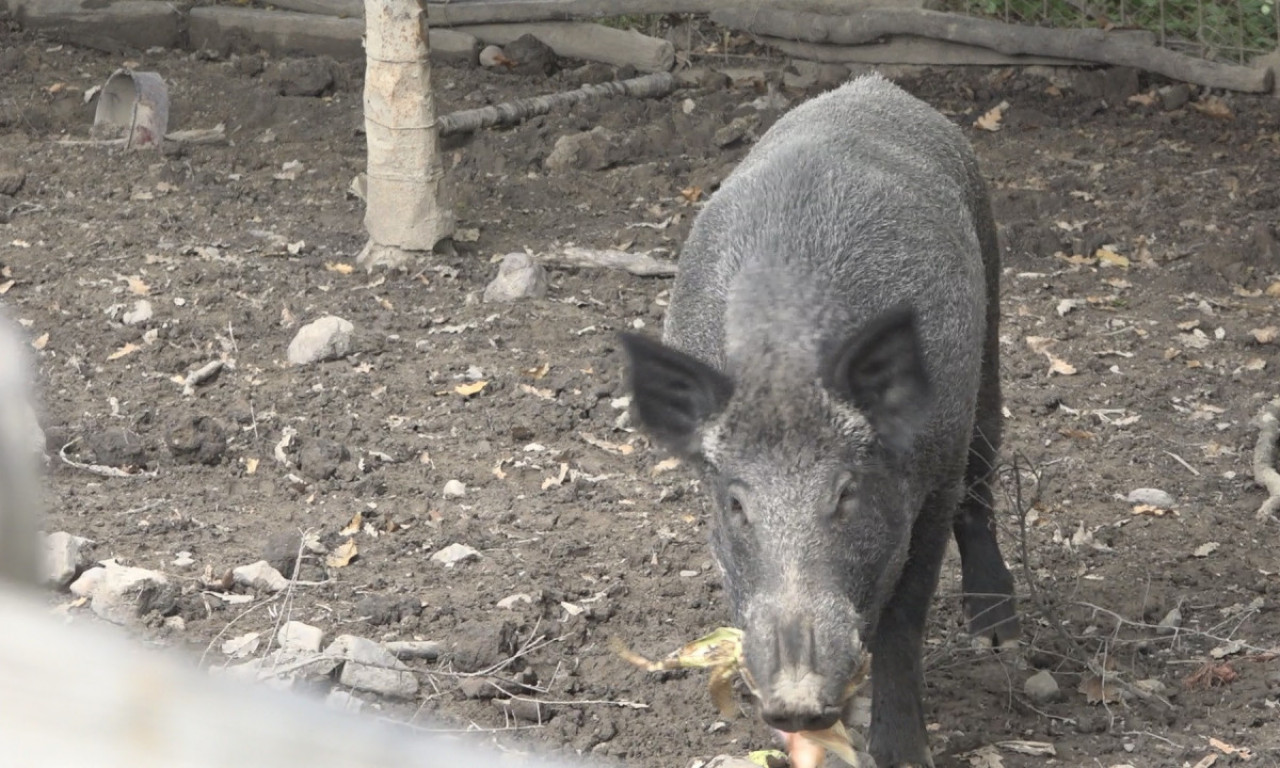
{"x": 5, "y": 286}
{"x": 467, "y": 390}
{"x": 1097, "y": 692}
{"x": 1143, "y": 99}
{"x": 339, "y": 267}
{"x": 1244, "y": 752}
{"x": 1076, "y": 434}
{"x": 1059, "y": 366}
{"x": 1053, "y": 90}
{"x": 691, "y": 194}
{"x": 342, "y": 555}
{"x": 138, "y": 286}
{"x": 1188, "y": 325}
{"x": 605, "y": 445}
{"x": 1213, "y": 107}
{"x": 353, "y": 527}
{"x": 1273, "y": 290}
{"x": 1207, "y": 760}
{"x": 1255, "y": 364}
{"x": 545, "y": 394}
{"x": 1211, "y": 675}
{"x": 250, "y": 466}
{"x": 666, "y": 465}
{"x": 1109, "y": 258}
{"x": 991, "y": 120}
{"x": 41, "y": 341}
{"x": 539, "y": 371}
{"x": 553, "y": 481}
{"x": 1265, "y": 335}
{"x": 1150, "y": 510}
{"x": 1039, "y": 344}
{"x": 127, "y": 349}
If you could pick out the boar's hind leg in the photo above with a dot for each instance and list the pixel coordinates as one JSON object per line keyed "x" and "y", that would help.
{"x": 898, "y": 737}
{"x": 986, "y": 581}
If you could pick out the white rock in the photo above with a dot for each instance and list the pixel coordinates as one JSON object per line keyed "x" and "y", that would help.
{"x": 242, "y": 646}
{"x": 1153, "y": 496}
{"x": 175, "y": 623}
{"x": 453, "y": 554}
{"x": 1041, "y": 688}
{"x": 509, "y": 602}
{"x": 1170, "y": 623}
{"x": 325, "y": 339}
{"x": 296, "y": 636}
{"x": 141, "y": 313}
{"x": 414, "y": 649}
{"x": 367, "y": 666}
{"x": 491, "y": 56}
{"x": 519, "y": 277}
{"x": 183, "y": 560}
{"x": 63, "y": 558}
{"x": 120, "y": 593}
{"x": 343, "y": 700}
{"x": 260, "y": 575}
{"x": 454, "y": 489}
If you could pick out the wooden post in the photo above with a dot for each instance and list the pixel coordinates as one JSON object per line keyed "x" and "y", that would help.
{"x": 407, "y": 203}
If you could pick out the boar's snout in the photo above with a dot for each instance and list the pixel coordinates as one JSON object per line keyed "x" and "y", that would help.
{"x": 802, "y": 683}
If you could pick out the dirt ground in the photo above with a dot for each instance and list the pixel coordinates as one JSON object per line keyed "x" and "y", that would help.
{"x": 1139, "y": 250}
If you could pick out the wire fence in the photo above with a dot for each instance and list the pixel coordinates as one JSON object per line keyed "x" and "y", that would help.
{"x": 1230, "y": 30}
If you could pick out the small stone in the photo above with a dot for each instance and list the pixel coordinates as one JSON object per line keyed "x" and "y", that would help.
{"x": 197, "y": 440}
{"x": 120, "y": 593}
{"x": 261, "y": 576}
{"x": 281, "y": 550}
{"x": 593, "y": 150}
{"x": 175, "y": 624}
{"x": 519, "y": 277}
{"x": 64, "y": 558}
{"x": 453, "y": 554}
{"x": 367, "y": 666}
{"x": 531, "y": 56}
{"x": 454, "y": 489}
{"x": 242, "y": 646}
{"x": 492, "y": 56}
{"x": 1266, "y": 250}
{"x": 509, "y": 602}
{"x": 11, "y": 180}
{"x": 1041, "y": 688}
{"x": 319, "y": 458}
{"x": 1152, "y": 496}
{"x": 738, "y": 129}
{"x": 183, "y": 560}
{"x": 479, "y": 688}
{"x": 327, "y": 338}
{"x": 141, "y": 313}
{"x": 296, "y": 636}
{"x": 303, "y": 77}
{"x": 117, "y": 447}
{"x": 1175, "y": 96}
{"x": 387, "y": 609}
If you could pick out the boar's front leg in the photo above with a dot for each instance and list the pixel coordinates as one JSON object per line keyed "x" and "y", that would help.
{"x": 898, "y": 737}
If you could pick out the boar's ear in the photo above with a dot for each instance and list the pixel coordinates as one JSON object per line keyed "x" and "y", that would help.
{"x": 880, "y": 369}
{"x": 673, "y": 394}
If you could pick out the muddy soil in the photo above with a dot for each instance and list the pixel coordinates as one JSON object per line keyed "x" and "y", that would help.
{"x": 1139, "y": 248}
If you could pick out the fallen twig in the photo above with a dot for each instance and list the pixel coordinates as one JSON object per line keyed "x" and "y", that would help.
{"x": 641, "y": 264}
{"x": 1264, "y": 457}
{"x": 200, "y": 376}
{"x": 513, "y": 112}
{"x": 99, "y": 469}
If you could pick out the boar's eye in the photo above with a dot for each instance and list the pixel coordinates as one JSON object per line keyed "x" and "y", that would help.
{"x": 846, "y": 496}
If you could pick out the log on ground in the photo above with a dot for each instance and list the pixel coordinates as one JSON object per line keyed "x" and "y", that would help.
{"x": 583, "y": 40}
{"x": 1087, "y": 45}
{"x": 908, "y": 49}
{"x": 513, "y": 112}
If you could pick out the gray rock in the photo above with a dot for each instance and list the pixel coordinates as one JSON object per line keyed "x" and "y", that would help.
{"x": 454, "y": 489}
{"x": 1170, "y": 623}
{"x": 519, "y": 277}
{"x": 117, "y": 447}
{"x": 531, "y": 56}
{"x": 303, "y": 77}
{"x": 120, "y": 593}
{"x": 1153, "y": 496}
{"x": 142, "y": 312}
{"x": 593, "y": 150}
{"x": 478, "y": 645}
{"x": 296, "y": 636}
{"x": 197, "y": 440}
{"x": 387, "y": 609}
{"x": 64, "y": 558}
{"x": 1175, "y": 96}
{"x": 367, "y": 666}
{"x": 281, "y": 550}
{"x": 319, "y": 458}
{"x": 11, "y": 180}
{"x": 260, "y": 575}
{"x": 1041, "y": 688}
{"x": 327, "y": 338}
{"x": 528, "y": 710}
{"x": 737, "y": 130}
